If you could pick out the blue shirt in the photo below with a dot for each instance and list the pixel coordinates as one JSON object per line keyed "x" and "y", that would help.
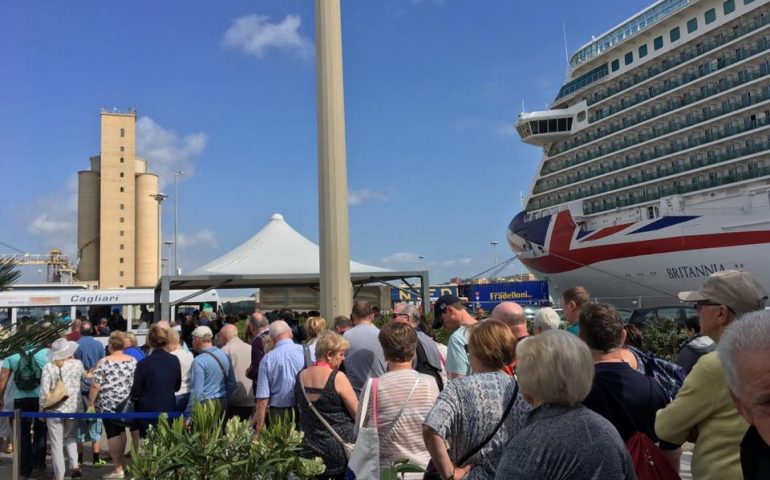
{"x": 135, "y": 352}
{"x": 278, "y": 373}
{"x": 206, "y": 379}
{"x": 574, "y": 329}
{"x": 89, "y": 352}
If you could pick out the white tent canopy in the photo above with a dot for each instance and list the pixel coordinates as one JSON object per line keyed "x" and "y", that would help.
{"x": 277, "y": 249}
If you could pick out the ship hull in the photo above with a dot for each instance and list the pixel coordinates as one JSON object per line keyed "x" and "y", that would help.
{"x": 645, "y": 262}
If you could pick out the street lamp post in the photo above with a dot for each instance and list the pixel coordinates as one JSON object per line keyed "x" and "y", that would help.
{"x": 177, "y": 270}
{"x": 159, "y": 197}
{"x": 494, "y": 251}
{"x": 168, "y": 244}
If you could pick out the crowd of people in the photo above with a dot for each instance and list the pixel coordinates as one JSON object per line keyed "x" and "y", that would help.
{"x": 502, "y": 399}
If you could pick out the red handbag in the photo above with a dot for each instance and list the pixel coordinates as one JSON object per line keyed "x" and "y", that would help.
{"x": 649, "y": 461}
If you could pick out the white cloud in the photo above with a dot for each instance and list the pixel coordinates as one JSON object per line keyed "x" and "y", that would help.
{"x": 200, "y": 239}
{"x": 165, "y": 151}
{"x": 357, "y": 197}
{"x": 254, "y": 35}
{"x": 55, "y": 218}
{"x": 401, "y": 258}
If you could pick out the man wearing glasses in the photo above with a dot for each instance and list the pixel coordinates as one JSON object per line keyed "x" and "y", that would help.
{"x": 427, "y": 360}
{"x": 703, "y": 411}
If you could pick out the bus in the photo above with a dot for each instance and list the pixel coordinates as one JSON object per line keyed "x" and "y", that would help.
{"x": 36, "y": 305}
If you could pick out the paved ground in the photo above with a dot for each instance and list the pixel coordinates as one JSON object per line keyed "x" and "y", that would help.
{"x": 89, "y": 472}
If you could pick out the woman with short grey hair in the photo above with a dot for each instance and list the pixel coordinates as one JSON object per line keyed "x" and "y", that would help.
{"x": 555, "y": 373}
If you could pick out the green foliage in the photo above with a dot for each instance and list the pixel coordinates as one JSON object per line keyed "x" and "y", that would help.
{"x": 663, "y": 337}
{"x": 398, "y": 469}
{"x": 8, "y": 273}
{"x": 214, "y": 450}
{"x": 30, "y": 336}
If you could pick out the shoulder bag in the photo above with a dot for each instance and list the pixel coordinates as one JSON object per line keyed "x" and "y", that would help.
{"x": 57, "y": 394}
{"x": 364, "y": 462}
{"x": 346, "y": 446}
{"x": 431, "y": 473}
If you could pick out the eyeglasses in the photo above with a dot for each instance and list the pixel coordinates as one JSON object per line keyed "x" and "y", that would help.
{"x": 705, "y": 303}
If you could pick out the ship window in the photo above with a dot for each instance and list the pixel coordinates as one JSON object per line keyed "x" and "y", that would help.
{"x": 643, "y": 51}
{"x": 615, "y": 65}
{"x": 628, "y": 58}
{"x": 674, "y": 34}
{"x": 581, "y": 116}
{"x": 710, "y": 16}
{"x": 552, "y": 125}
{"x": 657, "y": 43}
{"x": 563, "y": 125}
{"x": 728, "y": 7}
{"x": 533, "y": 126}
{"x": 746, "y": 2}
{"x": 692, "y": 25}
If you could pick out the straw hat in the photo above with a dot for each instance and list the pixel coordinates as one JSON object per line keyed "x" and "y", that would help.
{"x": 61, "y": 349}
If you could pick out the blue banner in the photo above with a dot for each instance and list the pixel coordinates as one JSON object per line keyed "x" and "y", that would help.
{"x": 524, "y": 293}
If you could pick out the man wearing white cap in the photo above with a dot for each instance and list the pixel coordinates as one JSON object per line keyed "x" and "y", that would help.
{"x": 703, "y": 407}
{"x": 212, "y": 378}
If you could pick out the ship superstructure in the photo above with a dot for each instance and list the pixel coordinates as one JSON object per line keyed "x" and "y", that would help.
{"x": 656, "y": 155}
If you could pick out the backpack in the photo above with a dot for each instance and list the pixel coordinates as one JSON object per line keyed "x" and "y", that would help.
{"x": 669, "y": 376}
{"x": 423, "y": 366}
{"x": 27, "y": 375}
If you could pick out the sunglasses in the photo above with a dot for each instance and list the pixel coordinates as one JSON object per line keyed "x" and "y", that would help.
{"x": 707, "y": 303}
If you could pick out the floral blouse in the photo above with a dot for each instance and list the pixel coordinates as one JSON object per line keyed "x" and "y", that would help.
{"x": 71, "y": 372}
{"x": 115, "y": 380}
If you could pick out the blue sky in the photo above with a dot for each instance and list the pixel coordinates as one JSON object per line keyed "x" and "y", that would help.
{"x": 226, "y": 92}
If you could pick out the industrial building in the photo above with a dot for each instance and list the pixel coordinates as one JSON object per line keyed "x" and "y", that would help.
{"x": 118, "y": 205}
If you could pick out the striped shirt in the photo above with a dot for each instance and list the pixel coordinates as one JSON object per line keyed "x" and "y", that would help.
{"x": 404, "y": 438}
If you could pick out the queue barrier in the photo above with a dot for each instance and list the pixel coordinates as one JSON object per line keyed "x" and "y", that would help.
{"x": 17, "y": 415}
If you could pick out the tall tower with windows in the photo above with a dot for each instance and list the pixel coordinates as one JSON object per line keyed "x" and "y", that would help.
{"x": 118, "y": 224}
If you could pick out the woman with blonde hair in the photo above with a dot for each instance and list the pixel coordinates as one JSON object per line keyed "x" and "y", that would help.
{"x": 60, "y": 393}
{"x": 314, "y": 327}
{"x": 326, "y": 401}
{"x": 110, "y": 389}
{"x": 477, "y": 414}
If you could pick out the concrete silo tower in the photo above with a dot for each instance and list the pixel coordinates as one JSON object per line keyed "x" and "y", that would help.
{"x": 117, "y": 218}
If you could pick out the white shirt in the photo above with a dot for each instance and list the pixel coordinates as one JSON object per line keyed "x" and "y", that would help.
{"x": 185, "y": 362}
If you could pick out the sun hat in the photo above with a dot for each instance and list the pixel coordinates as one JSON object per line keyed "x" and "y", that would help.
{"x": 61, "y": 349}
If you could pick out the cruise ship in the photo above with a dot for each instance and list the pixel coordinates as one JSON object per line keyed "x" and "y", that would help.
{"x": 655, "y": 170}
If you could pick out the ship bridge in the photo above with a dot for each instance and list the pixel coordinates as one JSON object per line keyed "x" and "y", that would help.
{"x": 548, "y": 126}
